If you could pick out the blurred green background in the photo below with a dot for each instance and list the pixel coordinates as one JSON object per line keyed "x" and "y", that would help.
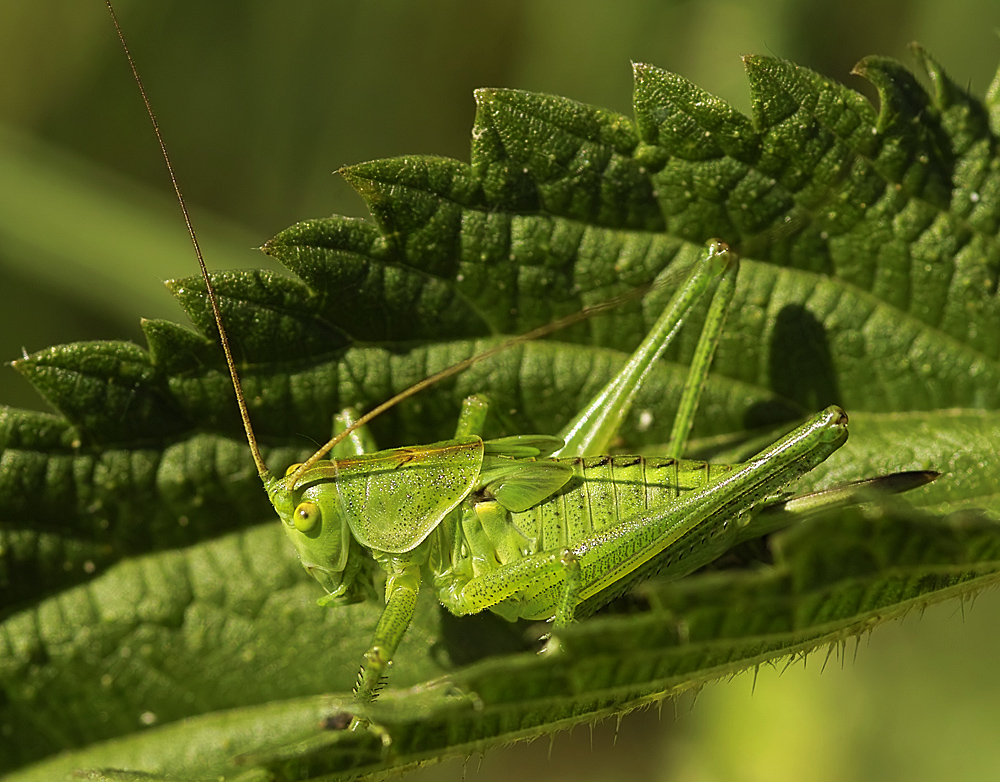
{"x": 261, "y": 101}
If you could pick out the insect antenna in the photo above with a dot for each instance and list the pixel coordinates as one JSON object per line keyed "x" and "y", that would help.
{"x": 212, "y": 298}
{"x": 542, "y": 331}
{"x": 454, "y": 369}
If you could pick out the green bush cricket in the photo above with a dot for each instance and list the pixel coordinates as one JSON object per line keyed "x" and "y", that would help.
{"x": 534, "y": 526}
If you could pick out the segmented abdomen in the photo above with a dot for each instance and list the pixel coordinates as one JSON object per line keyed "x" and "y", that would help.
{"x": 605, "y": 489}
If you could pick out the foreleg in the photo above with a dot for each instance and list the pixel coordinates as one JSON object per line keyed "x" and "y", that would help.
{"x": 401, "y": 590}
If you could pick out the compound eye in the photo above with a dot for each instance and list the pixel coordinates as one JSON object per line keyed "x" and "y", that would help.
{"x": 292, "y": 468}
{"x": 306, "y": 516}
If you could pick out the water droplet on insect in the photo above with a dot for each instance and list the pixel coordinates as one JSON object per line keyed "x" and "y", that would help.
{"x": 974, "y": 197}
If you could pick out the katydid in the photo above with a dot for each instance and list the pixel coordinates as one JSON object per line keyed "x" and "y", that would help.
{"x": 537, "y": 527}
{"x": 532, "y": 526}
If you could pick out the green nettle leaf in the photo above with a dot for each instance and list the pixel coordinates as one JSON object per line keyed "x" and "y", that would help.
{"x": 153, "y": 616}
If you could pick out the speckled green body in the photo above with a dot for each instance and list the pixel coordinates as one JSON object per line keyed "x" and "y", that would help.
{"x": 603, "y": 523}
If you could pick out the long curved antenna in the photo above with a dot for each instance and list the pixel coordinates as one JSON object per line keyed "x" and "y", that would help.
{"x": 542, "y": 331}
{"x": 241, "y": 401}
